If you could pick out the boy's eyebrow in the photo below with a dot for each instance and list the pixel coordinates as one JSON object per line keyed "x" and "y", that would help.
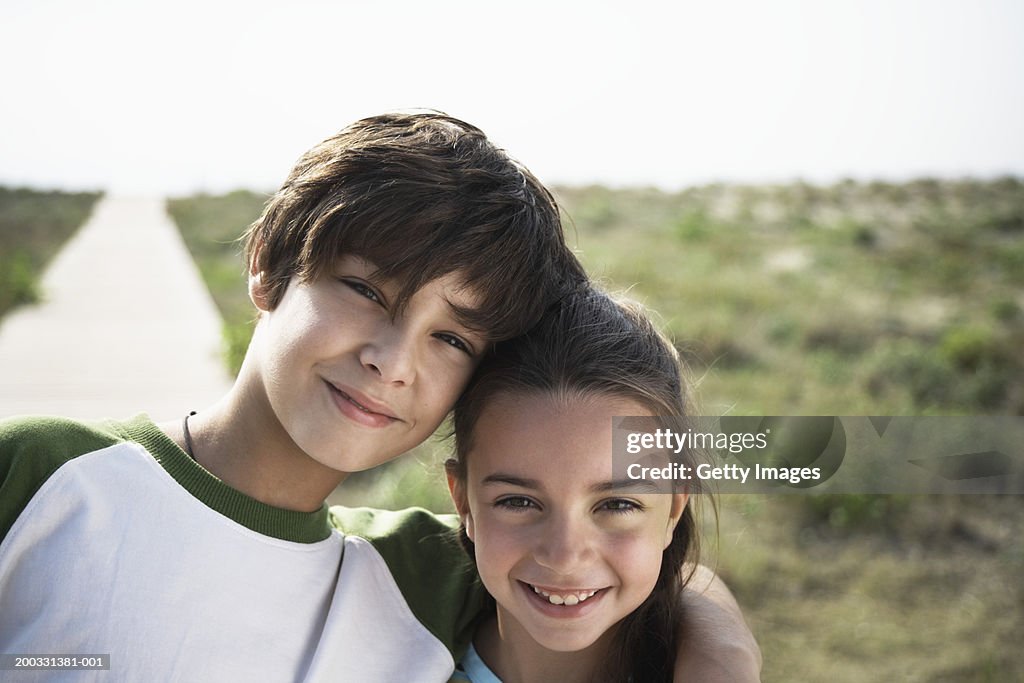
{"x": 464, "y": 314}
{"x": 473, "y": 318}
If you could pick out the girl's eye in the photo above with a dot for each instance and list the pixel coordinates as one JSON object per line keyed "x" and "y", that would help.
{"x": 515, "y": 503}
{"x": 365, "y": 290}
{"x": 454, "y": 342}
{"x": 621, "y": 506}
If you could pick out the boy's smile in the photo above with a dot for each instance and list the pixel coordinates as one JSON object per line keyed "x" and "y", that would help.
{"x": 352, "y": 385}
{"x": 566, "y": 552}
{"x": 359, "y": 408}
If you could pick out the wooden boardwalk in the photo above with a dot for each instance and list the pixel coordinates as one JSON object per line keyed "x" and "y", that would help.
{"x": 126, "y": 325}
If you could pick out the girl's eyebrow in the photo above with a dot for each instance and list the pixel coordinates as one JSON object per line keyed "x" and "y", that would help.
{"x": 502, "y": 478}
{"x": 639, "y": 486}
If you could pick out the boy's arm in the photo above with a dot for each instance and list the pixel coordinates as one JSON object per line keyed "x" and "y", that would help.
{"x": 427, "y": 563}
{"x": 717, "y": 645}
{"x": 32, "y": 449}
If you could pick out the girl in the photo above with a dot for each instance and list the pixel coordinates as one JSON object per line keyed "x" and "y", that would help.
{"x": 586, "y": 572}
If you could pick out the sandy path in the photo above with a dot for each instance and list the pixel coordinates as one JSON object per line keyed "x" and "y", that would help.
{"x": 126, "y": 325}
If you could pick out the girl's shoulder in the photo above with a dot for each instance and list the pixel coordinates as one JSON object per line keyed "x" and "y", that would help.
{"x": 473, "y": 670}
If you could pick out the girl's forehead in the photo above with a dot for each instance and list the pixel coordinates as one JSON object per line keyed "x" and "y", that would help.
{"x": 565, "y": 407}
{"x": 544, "y": 436}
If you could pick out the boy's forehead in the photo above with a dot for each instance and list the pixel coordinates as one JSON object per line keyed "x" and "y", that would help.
{"x": 462, "y": 298}
{"x": 461, "y": 293}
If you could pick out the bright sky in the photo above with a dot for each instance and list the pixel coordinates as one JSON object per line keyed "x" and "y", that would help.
{"x": 208, "y": 95}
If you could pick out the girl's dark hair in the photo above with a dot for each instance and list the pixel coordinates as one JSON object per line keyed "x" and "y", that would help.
{"x": 590, "y": 343}
{"x": 420, "y": 195}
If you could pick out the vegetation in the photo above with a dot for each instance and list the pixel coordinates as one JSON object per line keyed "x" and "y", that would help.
{"x": 851, "y": 299}
{"x": 211, "y": 227}
{"x": 907, "y": 297}
{"x": 33, "y": 227}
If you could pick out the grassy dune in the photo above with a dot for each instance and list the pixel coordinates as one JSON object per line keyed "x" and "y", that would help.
{"x": 33, "y": 226}
{"x": 852, "y": 299}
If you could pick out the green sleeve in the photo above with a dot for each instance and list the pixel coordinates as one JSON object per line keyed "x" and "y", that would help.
{"x": 33, "y": 448}
{"x": 436, "y": 576}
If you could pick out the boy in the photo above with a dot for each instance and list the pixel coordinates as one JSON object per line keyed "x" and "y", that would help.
{"x": 394, "y": 254}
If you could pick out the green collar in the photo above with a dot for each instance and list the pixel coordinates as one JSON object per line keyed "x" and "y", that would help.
{"x": 287, "y": 525}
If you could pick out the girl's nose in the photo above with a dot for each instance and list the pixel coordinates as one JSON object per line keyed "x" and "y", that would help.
{"x": 564, "y": 546}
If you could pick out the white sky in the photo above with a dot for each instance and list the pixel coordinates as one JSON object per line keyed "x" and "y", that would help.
{"x": 183, "y": 96}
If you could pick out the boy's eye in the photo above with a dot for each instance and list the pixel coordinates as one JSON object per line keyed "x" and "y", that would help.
{"x": 454, "y": 342}
{"x": 621, "y": 505}
{"x": 515, "y": 503}
{"x": 365, "y": 290}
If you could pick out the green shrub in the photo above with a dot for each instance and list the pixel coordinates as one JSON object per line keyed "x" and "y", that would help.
{"x": 598, "y": 212}
{"x": 211, "y": 226}
{"x": 17, "y": 281}
{"x": 929, "y": 378}
{"x": 853, "y": 511}
{"x": 34, "y": 225}
{"x": 967, "y": 347}
{"x": 1005, "y": 309}
{"x": 693, "y": 226}
{"x": 236, "y": 337}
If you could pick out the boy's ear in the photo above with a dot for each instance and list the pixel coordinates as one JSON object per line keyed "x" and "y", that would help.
{"x": 679, "y": 503}
{"x": 259, "y": 293}
{"x": 457, "y": 489}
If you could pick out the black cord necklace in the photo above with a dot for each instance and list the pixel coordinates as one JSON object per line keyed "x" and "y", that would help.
{"x": 188, "y": 435}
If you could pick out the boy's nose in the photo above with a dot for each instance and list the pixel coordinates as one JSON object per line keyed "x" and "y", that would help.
{"x": 391, "y": 356}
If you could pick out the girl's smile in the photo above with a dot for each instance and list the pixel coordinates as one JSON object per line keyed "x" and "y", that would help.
{"x": 560, "y": 596}
{"x": 564, "y": 604}
{"x": 566, "y": 552}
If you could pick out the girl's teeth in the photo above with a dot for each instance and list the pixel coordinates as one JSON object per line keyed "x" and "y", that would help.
{"x": 569, "y": 599}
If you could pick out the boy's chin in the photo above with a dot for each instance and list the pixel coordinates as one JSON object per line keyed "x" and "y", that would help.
{"x": 350, "y": 450}
{"x": 346, "y": 466}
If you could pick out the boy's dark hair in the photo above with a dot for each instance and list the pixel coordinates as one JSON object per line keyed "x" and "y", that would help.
{"x": 420, "y": 196}
{"x": 592, "y": 344}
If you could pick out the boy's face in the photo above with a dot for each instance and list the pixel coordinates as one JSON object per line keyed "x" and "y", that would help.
{"x": 352, "y": 387}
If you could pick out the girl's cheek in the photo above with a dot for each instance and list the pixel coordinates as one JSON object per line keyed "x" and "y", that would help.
{"x": 640, "y": 549}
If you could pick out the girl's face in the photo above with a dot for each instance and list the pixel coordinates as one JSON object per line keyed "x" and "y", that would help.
{"x": 565, "y": 552}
